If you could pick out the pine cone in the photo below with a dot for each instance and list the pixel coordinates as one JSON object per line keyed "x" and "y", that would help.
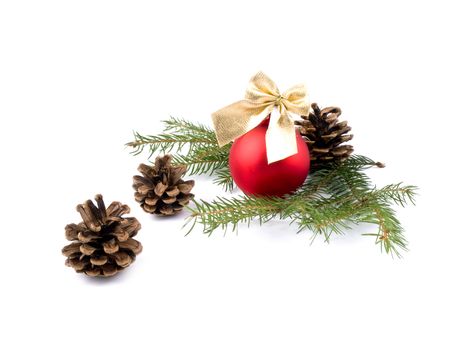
{"x": 102, "y": 243}
{"x": 324, "y": 135}
{"x": 161, "y": 190}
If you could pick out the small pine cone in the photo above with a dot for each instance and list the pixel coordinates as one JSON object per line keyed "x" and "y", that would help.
{"x": 324, "y": 135}
{"x": 103, "y": 243}
{"x": 161, "y": 190}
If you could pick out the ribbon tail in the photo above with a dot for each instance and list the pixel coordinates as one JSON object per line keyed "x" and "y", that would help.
{"x": 281, "y": 140}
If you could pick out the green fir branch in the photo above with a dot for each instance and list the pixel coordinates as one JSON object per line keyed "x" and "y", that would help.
{"x": 225, "y": 213}
{"x": 182, "y": 126}
{"x": 204, "y": 161}
{"x": 322, "y": 206}
{"x": 331, "y": 201}
{"x": 178, "y": 133}
{"x": 223, "y": 178}
{"x": 196, "y": 146}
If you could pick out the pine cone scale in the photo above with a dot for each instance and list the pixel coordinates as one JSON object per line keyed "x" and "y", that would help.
{"x": 149, "y": 208}
{"x": 160, "y": 189}
{"x": 72, "y": 231}
{"x": 122, "y": 259}
{"x": 173, "y": 192}
{"x": 99, "y": 260}
{"x": 87, "y": 249}
{"x": 185, "y": 199}
{"x": 169, "y": 200}
{"x": 341, "y": 151}
{"x": 89, "y": 220}
{"x": 71, "y": 249}
{"x": 139, "y": 197}
{"x": 321, "y": 150}
{"x": 133, "y": 245}
{"x": 146, "y": 170}
{"x": 186, "y": 187}
{"x": 345, "y": 138}
{"x": 151, "y": 201}
{"x": 143, "y": 181}
{"x": 330, "y": 136}
{"x": 111, "y": 246}
{"x": 109, "y": 270}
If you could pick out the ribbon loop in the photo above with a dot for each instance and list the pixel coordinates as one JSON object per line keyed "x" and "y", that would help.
{"x": 263, "y": 98}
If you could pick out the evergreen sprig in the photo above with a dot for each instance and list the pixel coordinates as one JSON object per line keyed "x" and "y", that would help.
{"x": 196, "y": 146}
{"x": 331, "y": 201}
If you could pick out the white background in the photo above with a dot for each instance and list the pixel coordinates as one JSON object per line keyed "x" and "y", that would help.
{"x": 77, "y": 77}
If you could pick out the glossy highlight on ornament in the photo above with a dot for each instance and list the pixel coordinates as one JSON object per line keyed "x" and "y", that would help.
{"x": 252, "y": 173}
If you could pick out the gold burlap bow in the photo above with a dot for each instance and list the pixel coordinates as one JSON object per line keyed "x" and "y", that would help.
{"x": 261, "y": 99}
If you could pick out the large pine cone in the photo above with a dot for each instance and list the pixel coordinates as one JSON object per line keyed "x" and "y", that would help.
{"x": 102, "y": 243}
{"x": 324, "y": 135}
{"x": 161, "y": 190}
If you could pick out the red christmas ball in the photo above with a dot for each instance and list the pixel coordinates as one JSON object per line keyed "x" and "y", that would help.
{"x": 252, "y": 173}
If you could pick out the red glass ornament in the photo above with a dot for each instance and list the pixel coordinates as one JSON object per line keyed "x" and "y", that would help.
{"x": 252, "y": 173}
